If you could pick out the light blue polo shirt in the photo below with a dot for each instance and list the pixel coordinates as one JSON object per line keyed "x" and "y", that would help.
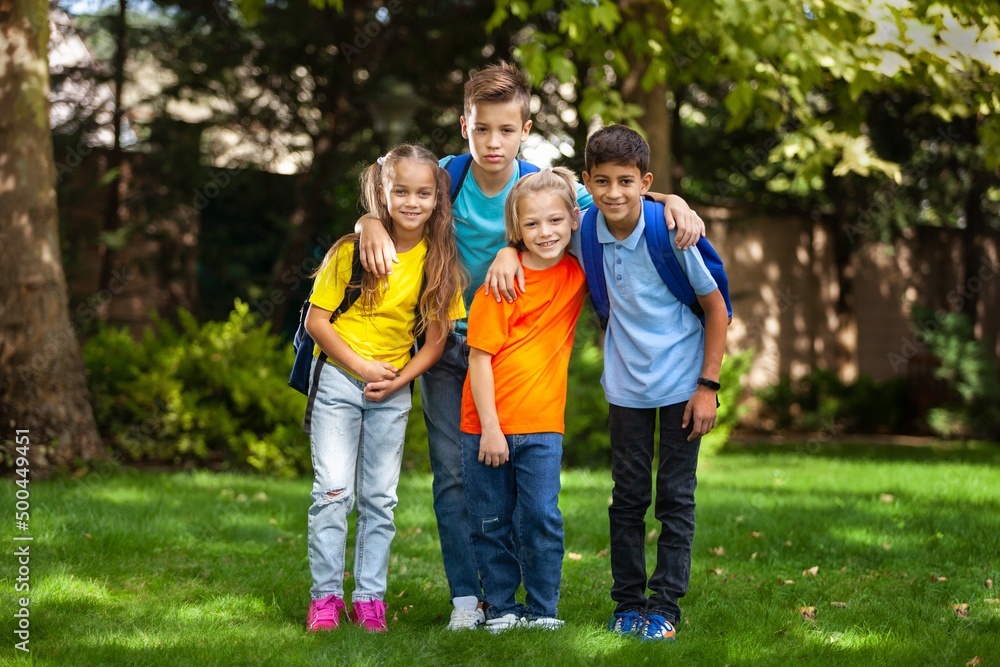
{"x": 480, "y": 231}
{"x": 654, "y": 345}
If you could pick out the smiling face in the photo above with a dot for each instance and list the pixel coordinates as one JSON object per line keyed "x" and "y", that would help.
{"x": 546, "y": 226}
{"x": 411, "y": 197}
{"x": 617, "y": 190}
{"x": 495, "y": 132}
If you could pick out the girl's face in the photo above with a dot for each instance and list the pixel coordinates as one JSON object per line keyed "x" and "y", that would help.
{"x": 546, "y": 228}
{"x": 411, "y": 196}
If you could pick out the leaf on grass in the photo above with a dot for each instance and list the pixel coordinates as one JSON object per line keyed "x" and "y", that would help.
{"x": 808, "y": 613}
{"x": 651, "y": 535}
{"x": 934, "y": 577}
{"x": 785, "y": 581}
{"x": 974, "y": 662}
{"x": 813, "y": 571}
{"x": 788, "y": 543}
{"x": 87, "y": 535}
{"x": 755, "y": 534}
{"x": 989, "y": 584}
{"x": 602, "y": 553}
{"x": 886, "y": 546}
{"x": 961, "y": 610}
{"x": 719, "y": 551}
{"x": 838, "y": 604}
{"x": 887, "y": 498}
{"x": 718, "y": 571}
{"x": 753, "y": 556}
{"x": 574, "y": 556}
{"x": 991, "y": 600}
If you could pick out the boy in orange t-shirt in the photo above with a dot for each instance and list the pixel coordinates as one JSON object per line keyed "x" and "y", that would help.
{"x": 513, "y": 407}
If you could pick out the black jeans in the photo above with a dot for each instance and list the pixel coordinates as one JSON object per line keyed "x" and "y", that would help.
{"x": 632, "y": 431}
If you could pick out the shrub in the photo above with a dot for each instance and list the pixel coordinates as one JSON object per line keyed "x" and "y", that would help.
{"x": 969, "y": 369}
{"x": 213, "y": 393}
{"x": 820, "y": 401}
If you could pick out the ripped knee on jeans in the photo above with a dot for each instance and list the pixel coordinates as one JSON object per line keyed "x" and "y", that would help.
{"x": 333, "y": 495}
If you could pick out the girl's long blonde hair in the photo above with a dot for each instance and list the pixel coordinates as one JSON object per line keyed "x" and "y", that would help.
{"x": 443, "y": 272}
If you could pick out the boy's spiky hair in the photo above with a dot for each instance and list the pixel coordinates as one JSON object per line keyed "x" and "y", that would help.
{"x": 616, "y": 144}
{"x": 498, "y": 84}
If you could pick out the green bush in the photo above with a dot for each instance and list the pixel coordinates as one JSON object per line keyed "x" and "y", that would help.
{"x": 213, "y": 393}
{"x": 820, "y": 401}
{"x": 969, "y": 369}
{"x": 731, "y": 406}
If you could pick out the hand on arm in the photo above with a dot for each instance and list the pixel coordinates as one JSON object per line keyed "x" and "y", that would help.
{"x": 677, "y": 213}
{"x": 493, "y": 449}
{"x": 378, "y": 252}
{"x": 701, "y": 408}
{"x": 504, "y": 271}
{"x": 426, "y": 356}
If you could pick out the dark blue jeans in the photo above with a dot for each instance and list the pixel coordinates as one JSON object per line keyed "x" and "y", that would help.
{"x": 632, "y": 435}
{"x": 517, "y": 529}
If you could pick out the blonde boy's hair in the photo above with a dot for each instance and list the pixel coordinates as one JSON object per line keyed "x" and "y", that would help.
{"x": 559, "y": 180}
{"x": 498, "y": 84}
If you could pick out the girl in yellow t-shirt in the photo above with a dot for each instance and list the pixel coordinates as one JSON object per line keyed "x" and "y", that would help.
{"x": 359, "y": 415}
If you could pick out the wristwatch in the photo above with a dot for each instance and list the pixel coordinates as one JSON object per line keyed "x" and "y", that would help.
{"x": 711, "y": 384}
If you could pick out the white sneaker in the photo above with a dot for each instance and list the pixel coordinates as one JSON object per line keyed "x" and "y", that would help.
{"x": 504, "y": 623}
{"x": 546, "y": 623}
{"x": 465, "y": 619}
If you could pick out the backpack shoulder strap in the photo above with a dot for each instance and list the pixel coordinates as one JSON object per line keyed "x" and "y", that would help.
{"x": 527, "y": 167}
{"x": 660, "y": 252}
{"x": 592, "y": 256}
{"x": 353, "y": 288}
{"x": 457, "y": 168}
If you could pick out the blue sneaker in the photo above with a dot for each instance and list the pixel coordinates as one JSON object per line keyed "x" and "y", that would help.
{"x": 657, "y": 628}
{"x": 626, "y": 623}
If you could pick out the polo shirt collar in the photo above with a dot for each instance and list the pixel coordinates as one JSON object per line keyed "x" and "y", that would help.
{"x": 604, "y": 234}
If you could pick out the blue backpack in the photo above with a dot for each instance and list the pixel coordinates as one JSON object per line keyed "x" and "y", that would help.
{"x": 303, "y": 344}
{"x": 459, "y": 166}
{"x": 662, "y": 254}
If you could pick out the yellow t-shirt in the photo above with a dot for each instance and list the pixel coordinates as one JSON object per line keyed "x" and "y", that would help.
{"x": 386, "y": 334}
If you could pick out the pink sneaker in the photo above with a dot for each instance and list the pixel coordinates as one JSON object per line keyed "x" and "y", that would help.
{"x": 370, "y": 615}
{"x": 324, "y": 614}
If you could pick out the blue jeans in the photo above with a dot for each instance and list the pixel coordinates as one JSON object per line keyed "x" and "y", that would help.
{"x": 631, "y": 469}
{"x": 357, "y": 450}
{"x": 515, "y": 510}
{"x": 441, "y": 396}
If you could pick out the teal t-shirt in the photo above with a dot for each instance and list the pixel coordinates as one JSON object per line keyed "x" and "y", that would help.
{"x": 480, "y": 231}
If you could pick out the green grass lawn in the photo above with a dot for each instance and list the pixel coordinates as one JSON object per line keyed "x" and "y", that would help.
{"x": 878, "y": 545}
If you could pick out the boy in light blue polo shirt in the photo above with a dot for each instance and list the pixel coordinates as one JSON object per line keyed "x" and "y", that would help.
{"x": 657, "y": 356}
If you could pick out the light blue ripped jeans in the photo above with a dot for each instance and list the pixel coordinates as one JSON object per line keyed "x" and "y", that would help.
{"x": 357, "y": 450}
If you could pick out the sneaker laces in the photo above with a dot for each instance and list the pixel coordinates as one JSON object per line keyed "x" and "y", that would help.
{"x": 657, "y": 626}
{"x": 465, "y": 615}
{"x": 373, "y": 611}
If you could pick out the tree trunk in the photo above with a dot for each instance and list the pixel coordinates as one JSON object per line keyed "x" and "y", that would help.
{"x": 43, "y": 388}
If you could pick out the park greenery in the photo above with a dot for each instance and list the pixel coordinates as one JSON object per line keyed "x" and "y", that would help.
{"x": 803, "y": 555}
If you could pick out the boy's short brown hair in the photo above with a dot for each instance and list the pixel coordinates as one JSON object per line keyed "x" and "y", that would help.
{"x": 498, "y": 84}
{"x": 616, "y": 144}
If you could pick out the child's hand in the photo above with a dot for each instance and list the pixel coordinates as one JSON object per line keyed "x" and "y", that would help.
{"x": 700, "y": 410}
{"x": 377, "y": 371}
{"x": 378, "y": 252}
{"x": 690, "y": 226}
{"x": 504, "y": 270}
{"x": 493, "y": 449}
{"x": 381, "y": 390}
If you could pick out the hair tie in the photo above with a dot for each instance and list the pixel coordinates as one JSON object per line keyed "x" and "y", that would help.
{"x": 381, "y": 161}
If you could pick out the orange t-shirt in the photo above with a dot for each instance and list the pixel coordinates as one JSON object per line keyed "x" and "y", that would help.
{"x": 530, "y": 340}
